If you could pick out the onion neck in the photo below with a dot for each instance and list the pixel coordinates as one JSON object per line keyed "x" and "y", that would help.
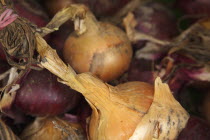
{"x": 89, "y": 25}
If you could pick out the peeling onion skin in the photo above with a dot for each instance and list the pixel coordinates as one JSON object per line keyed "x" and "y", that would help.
{"x": 40, "y": 95}
{"x": 106, "y": 52}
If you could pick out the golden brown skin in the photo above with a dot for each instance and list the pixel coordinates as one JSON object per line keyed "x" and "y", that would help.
{"x": 105, "y": 52}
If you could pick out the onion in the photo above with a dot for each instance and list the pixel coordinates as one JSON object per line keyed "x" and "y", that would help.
{"x": 84, "y": 111}
{"x": 141, "y": 70}
{"x": 196, "y": 129}
{"x": 57, "y": 39}
{"x": 102, "y": 49}
{"x": 156, "y": 20}
{"x": 41, "y": 94}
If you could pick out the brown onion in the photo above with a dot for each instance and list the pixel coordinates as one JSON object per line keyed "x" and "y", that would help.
{"x": 52, "y": 128}
{"x": 102, "y": 49}
{"x": 41, "y": 94}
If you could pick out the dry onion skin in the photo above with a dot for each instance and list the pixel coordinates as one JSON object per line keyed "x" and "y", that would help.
{"x": 6, "y": 133}
{"x": 52, "y": 128}
{"x": 101, "y": 49}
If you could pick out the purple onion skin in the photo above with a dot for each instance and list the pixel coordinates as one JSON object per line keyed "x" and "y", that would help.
{"x": 194, "y": 7}
{"x": 40, "y": 94}
{"x": 141, "y": 70}
{"x": 84, "y": 111}
{"x": 196, "y": 129}
{"x": 58, "y": 38}
{"x": 156, "y": 20}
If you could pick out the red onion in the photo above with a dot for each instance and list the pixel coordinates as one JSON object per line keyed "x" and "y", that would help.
{"x": 156, "y": 20}
{"x": 84, "y": 111}
{"x": 196, "y": 129}
{"x": 41, "y": 94}
{"x": 141, "y": 70}
{"x": 57, "y": 39}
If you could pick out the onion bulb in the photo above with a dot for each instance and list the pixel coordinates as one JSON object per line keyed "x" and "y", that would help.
{"x": 52, "y": 128}
{"x": 196, "y": 129}
{"x": 41, "y": 94}
{"x": 101, "y": 49}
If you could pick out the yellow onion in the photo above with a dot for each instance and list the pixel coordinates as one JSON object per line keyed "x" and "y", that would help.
{"x": 101, "y": 49}
{"x": 52, "y": 128}
{"x": 53, "y": 6}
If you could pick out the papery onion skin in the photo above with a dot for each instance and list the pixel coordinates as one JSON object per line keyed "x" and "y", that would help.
{"x": 156, "y": 20}
{"x": 106, "y": 53}
{"x": 41, "y": 94}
